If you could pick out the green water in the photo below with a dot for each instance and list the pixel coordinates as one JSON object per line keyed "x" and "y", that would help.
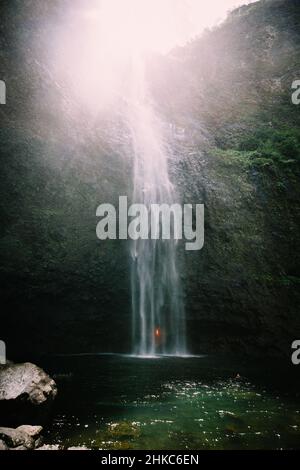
{"x": 119, "y": 402}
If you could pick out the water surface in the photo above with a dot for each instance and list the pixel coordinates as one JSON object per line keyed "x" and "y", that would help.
{"x": 122, "y": 402}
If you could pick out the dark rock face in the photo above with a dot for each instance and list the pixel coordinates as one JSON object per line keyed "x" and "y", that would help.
{"x": 69, "y": 293}
{"x": 25, "y": 393}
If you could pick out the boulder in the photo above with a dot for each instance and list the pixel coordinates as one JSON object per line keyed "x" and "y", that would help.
{"x": 25, "y": 394}
{"x": 27, "y": 381}
{"x": 22, "y": 438}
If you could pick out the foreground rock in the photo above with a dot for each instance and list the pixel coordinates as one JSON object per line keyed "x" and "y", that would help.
{"x": 25, "y": 394}
{"x": 23, "y": 438}
{"x": 78, "y": 448}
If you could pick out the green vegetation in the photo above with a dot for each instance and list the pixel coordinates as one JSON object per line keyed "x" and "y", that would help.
{"x": 265, "y": 147}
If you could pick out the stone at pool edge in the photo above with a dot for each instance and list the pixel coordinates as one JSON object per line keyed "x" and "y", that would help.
{"x": 26, "y": 392}
{"x": 24, "y": 437}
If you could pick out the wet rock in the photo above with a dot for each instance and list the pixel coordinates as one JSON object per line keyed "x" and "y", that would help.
{"x": 25, "y": 393}
{"x": 231, "y": 431}
{"x": 21, "y": 438}
{"x": 29, "y": 380}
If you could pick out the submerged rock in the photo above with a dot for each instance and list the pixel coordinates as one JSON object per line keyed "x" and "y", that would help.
{"x": 25, "y": 393}
{"x": 224, "y": 414}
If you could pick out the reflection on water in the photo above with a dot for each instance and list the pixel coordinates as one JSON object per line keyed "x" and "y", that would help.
{"x": 122, "y": 402}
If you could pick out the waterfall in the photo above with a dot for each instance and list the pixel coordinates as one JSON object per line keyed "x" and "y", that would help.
{"x": 158, "y": 322}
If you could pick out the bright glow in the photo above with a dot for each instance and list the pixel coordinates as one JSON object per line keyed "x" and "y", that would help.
{"x": 154, "y": 25}
{"x": 100, "y": 37}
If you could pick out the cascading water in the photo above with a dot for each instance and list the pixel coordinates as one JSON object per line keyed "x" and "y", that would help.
{"x": 158, "y": 319}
